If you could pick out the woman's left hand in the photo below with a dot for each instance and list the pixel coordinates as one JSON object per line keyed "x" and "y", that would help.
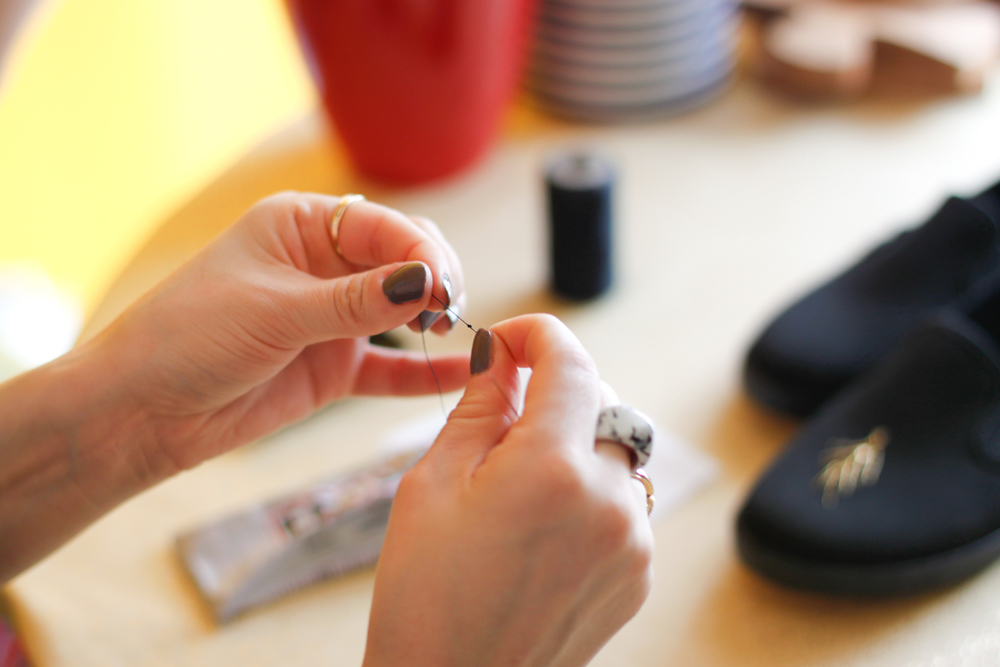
{"x": 269, "y": 323}
{"x": 266, "y": 324}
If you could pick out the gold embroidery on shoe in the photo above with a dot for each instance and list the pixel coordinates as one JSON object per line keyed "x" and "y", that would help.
{"x": 848, "y": 463}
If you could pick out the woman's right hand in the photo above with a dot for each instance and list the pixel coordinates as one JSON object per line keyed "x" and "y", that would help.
{"x": 514, "y": 541}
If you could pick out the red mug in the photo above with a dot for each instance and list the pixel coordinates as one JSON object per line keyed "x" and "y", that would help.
{"x": 415, "y": 88}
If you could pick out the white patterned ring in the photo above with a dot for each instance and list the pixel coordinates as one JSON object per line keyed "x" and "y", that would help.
{"x": 629, "y": 428}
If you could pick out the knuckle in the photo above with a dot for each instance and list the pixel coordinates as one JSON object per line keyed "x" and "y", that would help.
{"x": 638, "y": 591}
{"x": 579, "y": 360}
{"x": 382, "y": 219}
{"x": 301, "y": 212}
{"x": 561, "y": 480}
{"x": 571, "y": 352}
{"x": 613, "y": 525}
{"x": 642, "y": 558}
{"x": 645, "y": 578}
{"x": 281, "y": 209}
{"x": 608, "y": 395}
{"x": 279, "y": 200}
{"x": 563, "y": 475}
{"x": 349, "y": 299}
{"x": 413, "y": 483}
{"x": 427, "y": 251}
{"x": 548, "y": 321}
{"x": 425, "y": 221}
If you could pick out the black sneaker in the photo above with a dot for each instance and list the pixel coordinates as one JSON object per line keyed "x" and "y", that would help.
{"x": 894, "y": 486}
{"x": 837, "y": 332}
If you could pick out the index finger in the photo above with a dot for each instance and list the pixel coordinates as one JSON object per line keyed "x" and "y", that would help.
{"x": 564, "y": 392}
{"x": 295, "y": 227}
{"x": 374, "y": 235}
{"x": 371, "y": 234}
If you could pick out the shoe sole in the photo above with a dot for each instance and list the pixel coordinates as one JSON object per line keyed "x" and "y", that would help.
{"x": 898, "y": 578}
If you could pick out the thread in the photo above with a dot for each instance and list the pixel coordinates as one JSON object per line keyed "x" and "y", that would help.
{"x": 423, "y": 339}
{"x": 580, "y": 192}
{"x": 427, "y": 356}
{"x": 472, "y": 328}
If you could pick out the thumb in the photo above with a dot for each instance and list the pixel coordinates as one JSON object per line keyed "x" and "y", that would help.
{"x": 362, "y": 304}
{"x": 486, "y": 411}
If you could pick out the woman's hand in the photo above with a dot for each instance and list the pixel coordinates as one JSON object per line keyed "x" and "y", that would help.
{"x": 269, "y": 323}
{"x": 514, "y": 541}
{"x": 262, "y": 327}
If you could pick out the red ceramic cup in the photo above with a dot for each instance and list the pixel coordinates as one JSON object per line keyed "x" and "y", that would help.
{"x": 415, "y": 88}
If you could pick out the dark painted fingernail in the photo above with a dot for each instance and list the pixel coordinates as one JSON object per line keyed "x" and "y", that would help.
{"x": 482, "y": 351}
{"x": 446, "y": 282}
{"x": 407, "y": 283}
{"x": 427, "y": 319}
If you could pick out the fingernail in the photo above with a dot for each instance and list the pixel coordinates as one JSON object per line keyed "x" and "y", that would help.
{"x": 446, "y": 282}
{"x": 482, "y": 351}
{"x": 452, "y": 317}
{"x": 427, "y": 319}
{"x": 407, "y": 283}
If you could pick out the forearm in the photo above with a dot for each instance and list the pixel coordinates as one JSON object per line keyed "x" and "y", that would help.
{"x": 72, "y": 447}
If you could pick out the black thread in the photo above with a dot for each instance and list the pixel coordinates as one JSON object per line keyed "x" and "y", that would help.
{"x": 423, "y": 339}
{"x": 471, "y": 328}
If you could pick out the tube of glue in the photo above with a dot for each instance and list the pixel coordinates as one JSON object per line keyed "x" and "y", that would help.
{"x": 259, "y": 554}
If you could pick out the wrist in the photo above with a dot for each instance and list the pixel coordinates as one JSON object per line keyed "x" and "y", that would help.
{"x": 72, "y": 447}
{"x": 103, "y": 418}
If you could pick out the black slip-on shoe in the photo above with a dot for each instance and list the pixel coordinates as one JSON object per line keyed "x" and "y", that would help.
{"x": 894, "y": 486}
{"x": 838, "y": 331}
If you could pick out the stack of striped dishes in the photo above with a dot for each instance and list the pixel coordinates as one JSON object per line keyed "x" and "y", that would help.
{"x": 611, "y": 60}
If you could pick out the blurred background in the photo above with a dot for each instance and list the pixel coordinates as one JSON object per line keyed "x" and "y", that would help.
{"x": 758, "y": 150}
{"x": 113, "y": 112}
{"x": 140, "y": 104}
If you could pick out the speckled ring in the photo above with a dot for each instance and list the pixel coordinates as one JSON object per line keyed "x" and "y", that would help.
{"x": 629, "y": 428}
{"x": 338, "y": 215}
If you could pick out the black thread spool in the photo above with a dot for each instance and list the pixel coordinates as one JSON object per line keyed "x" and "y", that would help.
{"x": 580, "y": 210}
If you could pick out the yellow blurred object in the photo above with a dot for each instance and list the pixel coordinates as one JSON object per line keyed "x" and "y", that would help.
{"x": 114, "y": 112}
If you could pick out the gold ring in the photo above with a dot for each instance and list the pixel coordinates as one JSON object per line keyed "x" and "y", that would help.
{"x": 647, "y": 483}
{"x": 338, "y": 215}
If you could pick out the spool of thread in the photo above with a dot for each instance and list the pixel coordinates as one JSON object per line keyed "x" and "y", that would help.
{"x": 580, "y": 212}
